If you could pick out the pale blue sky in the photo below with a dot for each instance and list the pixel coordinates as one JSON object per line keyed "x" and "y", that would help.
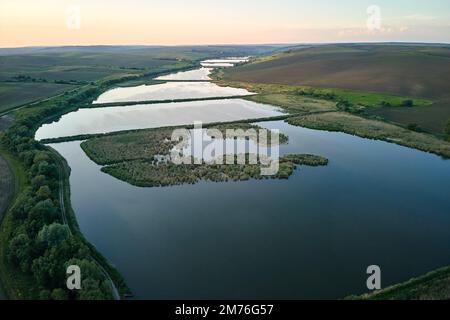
{"x": 50, "y": 22}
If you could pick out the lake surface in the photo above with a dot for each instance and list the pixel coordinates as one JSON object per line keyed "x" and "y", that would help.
{"x": 311, "y": 236}
{"x": 228, "y": 62}
{"x": 201, "y": 74}
{"x": 216, "y": 64}
{"x": 110, "y": 119}
{"x": 169, "y": 91}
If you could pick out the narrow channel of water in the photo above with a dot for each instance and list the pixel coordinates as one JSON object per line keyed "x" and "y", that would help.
{"x": 142, "y": 116}
{"x": 169, "y": 91}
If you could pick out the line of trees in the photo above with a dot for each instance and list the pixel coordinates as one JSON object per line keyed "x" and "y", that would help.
{"x": 38, "y": 243}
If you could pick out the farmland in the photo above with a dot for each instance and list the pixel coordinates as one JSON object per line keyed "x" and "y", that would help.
{"x": 417, "y": 71}
{"x": 31, "y": 74}
{"x": 16, "y": 94}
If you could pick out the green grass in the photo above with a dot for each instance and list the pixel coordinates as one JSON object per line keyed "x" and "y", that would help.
{"x": 293, "y": 103}
{"x": 344, "y": 122}
{"x": 357, "y": 98}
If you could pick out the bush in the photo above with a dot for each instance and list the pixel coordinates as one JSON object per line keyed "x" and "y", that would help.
{"x": 19, "y": 251}
{"x": 407, "y": 103}
{"x": 54, "y": 234}
{"x": 447, "y": 128}
{"x": 414, "y": 127}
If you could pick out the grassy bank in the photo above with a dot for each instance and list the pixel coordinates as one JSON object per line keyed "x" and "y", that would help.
{"x": 434, "y": 285}
{"x": 328, "y": 109}
{"x": 357, "y": 98}
{"x": 366, "y": 128}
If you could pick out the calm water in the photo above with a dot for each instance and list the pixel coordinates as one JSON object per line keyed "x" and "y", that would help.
{"x": 198, "y": 74}
{"x": 109, "y": 119}
{"x": 228, "y": 62}
{"x": 216, "y": 64}
{"x": 233, "y": 60}
{"x": 169, "y": 91}
{"x": 311, "y": 236}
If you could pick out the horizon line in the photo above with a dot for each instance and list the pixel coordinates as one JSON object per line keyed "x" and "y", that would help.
{"x": 225, "y": 44}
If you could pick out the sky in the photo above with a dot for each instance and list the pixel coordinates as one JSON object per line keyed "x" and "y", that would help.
{"x": 181, "y": 22}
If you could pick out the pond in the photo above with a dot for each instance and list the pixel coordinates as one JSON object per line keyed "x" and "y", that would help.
{"x": 311, "y": 236}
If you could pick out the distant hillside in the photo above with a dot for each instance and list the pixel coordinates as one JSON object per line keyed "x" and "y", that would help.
{"x": 407, "y": 70}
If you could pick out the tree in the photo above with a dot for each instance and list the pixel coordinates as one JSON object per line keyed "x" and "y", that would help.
{"x": 40, "y": 157}
{"x": 59, "y": 294}
{"x": 93, "y": 284}
{"x": 44, "y": 210}
{"x": 44, "y": 192}
{"x": 19, "y": 251}
{"x": 45, "y": 295}
{"x": 38, "y": 181}
{"x": 54, "y": 234}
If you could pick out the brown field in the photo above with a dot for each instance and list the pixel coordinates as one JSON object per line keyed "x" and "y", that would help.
{"x": 407, "y": 70}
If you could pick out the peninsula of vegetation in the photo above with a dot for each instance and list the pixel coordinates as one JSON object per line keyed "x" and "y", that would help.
{"x": 131, "y": 157}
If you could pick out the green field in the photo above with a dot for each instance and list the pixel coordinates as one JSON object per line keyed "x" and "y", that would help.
{"x": 16, "y": 94}
{"x": 367, "y": 74}
{"x": 31, "y": 74}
